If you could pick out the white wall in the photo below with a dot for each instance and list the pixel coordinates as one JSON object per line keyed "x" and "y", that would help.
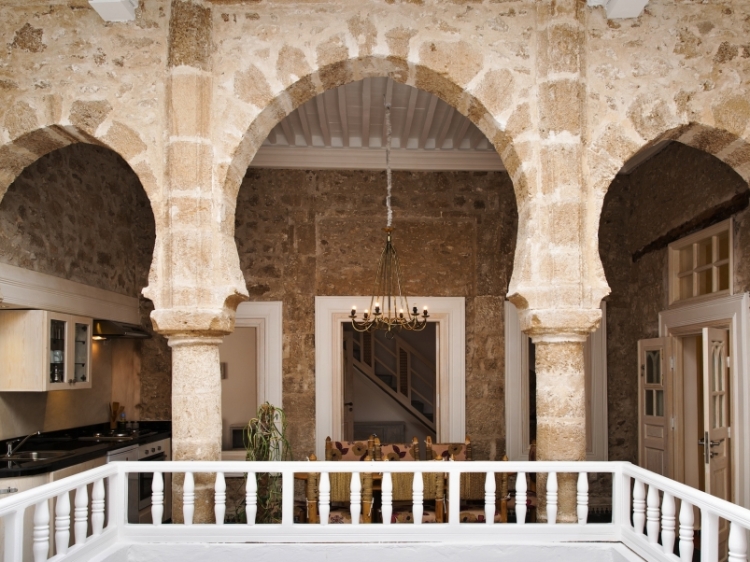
{"x": 239, "y": 396}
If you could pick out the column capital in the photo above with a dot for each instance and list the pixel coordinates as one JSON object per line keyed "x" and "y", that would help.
{"x": 191, "y": 326}
{"x": 559, "y": 325}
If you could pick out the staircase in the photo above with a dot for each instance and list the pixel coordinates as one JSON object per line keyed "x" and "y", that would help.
{"x": 399, "y": 370}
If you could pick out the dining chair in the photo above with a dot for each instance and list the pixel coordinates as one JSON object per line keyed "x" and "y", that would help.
{"x": 448, "y": 451}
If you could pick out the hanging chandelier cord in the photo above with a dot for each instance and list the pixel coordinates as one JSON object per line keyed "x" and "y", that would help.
{"x": 388, "y": 160}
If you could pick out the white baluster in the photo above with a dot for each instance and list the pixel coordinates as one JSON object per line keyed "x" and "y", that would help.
{"x": 667, "y": 523}
{"x": 220, "y": 498}
{"x": 687, "y": 520}
{"x": 552, "y": 498}
{"x": 582, "y": 498}
{"x": 489, "y": 498}
{"x": 97, "y": 507}
{"x": 188, "y": 498}
{"x": 62, "y": 523}
{"x": 737, "y": 543}
{"x": 521, "y": 498}
{"x": 652, "y": 514}
{"x": 157, "y": 498}
{"x": 41, "y": 531}
{"x": 251, "y": 498}
{"x": 81, "y": 514}
{"x": 387, "y": 497}
{"x": 417, "y": 495}
{"x": 324, "y": 493}
{"x": 355, "y": 498}
{"x": 639, "y": 506}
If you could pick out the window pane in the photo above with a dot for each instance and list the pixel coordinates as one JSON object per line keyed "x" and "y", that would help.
{"x": 704, "y": 252}
{"x": 649, "y": 402}
{"x": 724, "y": 245}
{"x": 653, "y": 367}
{"x": 686, "y": 286}
{"x": 659, "y": 402}
{"x": 705, "y": 283}
{"x": 724, "y": 277}
{"x": 686, "y": 259}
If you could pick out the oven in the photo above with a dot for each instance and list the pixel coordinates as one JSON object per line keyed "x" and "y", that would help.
{"x": 139, "y": 484}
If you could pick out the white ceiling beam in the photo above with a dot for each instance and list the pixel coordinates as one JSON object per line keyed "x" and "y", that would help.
{"x": 428, "y": 121}
{"x": 322, "y": 119}
{"x": 406, "y": 131}
{"x": 475, "y": 138}
{"x": 366, "y": 105}
{"x": 341, "y": 94}
{"x": 388, "y": 100}
{"x": 461, "y": 133}
{"x": 288, "y": 132}
{"x": 272, "y": 136}
{"x": 443, "y": 132}
{"x": 302, "y": 116}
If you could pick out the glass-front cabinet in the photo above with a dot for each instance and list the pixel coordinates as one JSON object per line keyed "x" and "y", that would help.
{"x": 42, "y": 350}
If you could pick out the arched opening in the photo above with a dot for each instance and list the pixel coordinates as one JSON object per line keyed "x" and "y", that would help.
{"x": 673, "y": 242}
{"x": 77, "y": 227}
{"x": 307, "y": 229}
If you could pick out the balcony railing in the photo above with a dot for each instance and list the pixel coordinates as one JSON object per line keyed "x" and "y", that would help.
{"x": 651, "y": 515}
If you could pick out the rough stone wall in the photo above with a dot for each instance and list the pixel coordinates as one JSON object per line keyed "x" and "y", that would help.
{"x": 307, "y": 233}
{"x": 662, "y": 194}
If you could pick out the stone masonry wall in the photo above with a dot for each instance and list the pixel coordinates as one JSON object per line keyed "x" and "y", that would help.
{"x": 307, "y": 233}
{"x": 662, "y": 194}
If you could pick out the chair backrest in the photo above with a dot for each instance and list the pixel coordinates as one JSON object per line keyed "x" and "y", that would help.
{"x": 349, "y": 450}
{"x": 396, "y": 451}
{"x": 340, "y": 484}
{"x": 448, "y": 451}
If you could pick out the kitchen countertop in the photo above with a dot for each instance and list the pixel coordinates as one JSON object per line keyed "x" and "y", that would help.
{"x": 80, "y": 450}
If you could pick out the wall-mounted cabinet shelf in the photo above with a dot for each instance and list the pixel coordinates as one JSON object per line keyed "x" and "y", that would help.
{"x": 42, "y": 351}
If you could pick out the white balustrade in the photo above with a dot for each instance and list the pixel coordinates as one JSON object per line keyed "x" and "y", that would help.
{"x": 667, "y": 523}
{"x": 188, "y": 498}
{"x": 687, "y": 520}
{"x": 639, "y": 506}
{"x": 387, "y": 497}
{"x": 324, "y": 493}
{"x": 737, "y": 543}
{"x": 521, "y": 498}
{"x": 582, "y": 498}
{"x": 157, "y": 498}
{"x": 81, "y": 515}
{"x": 417, "y": 494}
{"x": 97, "y": 507}
{"x": 220, "y": 498}
{"x": 62, "y": 523}
{"x": 41, "y": 531}
{"x": 552, "y": 498}
{"x": 355, "y": 497}
{"x": 489, "y": 498}
{"x": 251, "y": 498}
{"x": 652, "y": 514}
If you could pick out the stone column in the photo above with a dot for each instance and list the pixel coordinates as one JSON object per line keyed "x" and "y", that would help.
{"x": 196, "y": 417}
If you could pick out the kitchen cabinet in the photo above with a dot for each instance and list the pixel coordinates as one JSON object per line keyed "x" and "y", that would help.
{"x": 42, "y": 350}
{"x": 21, "y": 484}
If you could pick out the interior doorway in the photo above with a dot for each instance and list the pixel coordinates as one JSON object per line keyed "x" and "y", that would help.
{"x": 390, "y": 384}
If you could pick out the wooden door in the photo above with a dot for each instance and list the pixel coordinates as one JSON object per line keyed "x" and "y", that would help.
{"x": 655, "y": 404}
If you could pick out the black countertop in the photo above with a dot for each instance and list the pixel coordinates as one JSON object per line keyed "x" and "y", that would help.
{"x": 81, "y": 450}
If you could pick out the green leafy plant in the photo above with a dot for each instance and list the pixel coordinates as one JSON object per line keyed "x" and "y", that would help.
{"x": 265, "y": 440}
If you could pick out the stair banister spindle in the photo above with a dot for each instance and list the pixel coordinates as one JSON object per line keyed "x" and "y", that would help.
{"x": 220, "y": 495}
{"x": 188, "y": 498}
{"x": 97, "y": 507}
{"x": 355, "y": 498}
{"x": 582, "y": 498}
{"x": 552, "y": 498}
{"x": 62, "y": 523}
{"x": 521, "y": 498}
{"x": 687, "y": 520}
{"x": 489, "y": 498}
{"x": 387, "y": 497}
{"x": 251, "y": 498}
{"x": 737, "y": 543}
{"x": 324, "y": 494}
{"x": 639, "y": 506}
{"x": 417, "y": 494}
{"x": 41, "y": 531}
{"x": 157, "y": 498}
{"x": 667, "y": 523}
{"x": 81, "y": 514}
{"x": 652, "y": 514}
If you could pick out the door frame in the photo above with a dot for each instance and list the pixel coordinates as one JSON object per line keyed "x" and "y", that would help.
{"x": 730, "y": 310}
{"x": 332, "y": 312}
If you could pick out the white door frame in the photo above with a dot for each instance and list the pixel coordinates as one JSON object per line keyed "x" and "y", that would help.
{"x": 332, "y": 312}
{"x": 732, "y": 309}
{"x": 266, "y": 318}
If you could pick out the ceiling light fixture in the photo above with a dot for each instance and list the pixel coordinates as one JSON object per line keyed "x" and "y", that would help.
{"x": 389, "y": 309}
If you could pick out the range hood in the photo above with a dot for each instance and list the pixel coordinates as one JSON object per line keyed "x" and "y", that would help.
{"x": 109, "y": 329}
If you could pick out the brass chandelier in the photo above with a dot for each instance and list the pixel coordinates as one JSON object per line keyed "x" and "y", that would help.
{"x": 389, "y": 309}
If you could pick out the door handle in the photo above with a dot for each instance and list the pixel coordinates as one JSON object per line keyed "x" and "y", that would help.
{"x": 702, "y": 443}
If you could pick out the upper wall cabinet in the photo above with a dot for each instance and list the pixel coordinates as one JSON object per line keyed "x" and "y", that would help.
{"x": 42, "y": 351}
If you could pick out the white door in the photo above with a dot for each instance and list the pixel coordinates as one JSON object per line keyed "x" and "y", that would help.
{"x": 655, "y": 404}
